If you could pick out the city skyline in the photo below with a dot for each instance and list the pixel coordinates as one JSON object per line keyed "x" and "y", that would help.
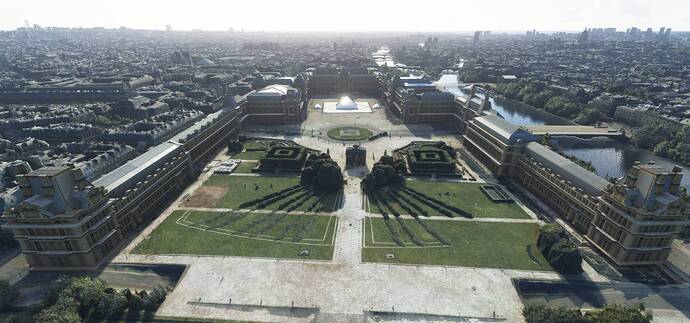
{"x": 356, "y": 16}
{"x": 321, "y": 161}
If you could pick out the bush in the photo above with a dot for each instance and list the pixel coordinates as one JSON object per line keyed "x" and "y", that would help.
{"x": 542, "y": 314}
{"x": 565, "y": 257}
{"x": 610, "y": 313}
{"x": 618, "y": 313}
{"x": 134, "y": 301}
{"x": 387, "y": 171}
{"x": 322, "y": 172}
{"x": 548, "y": 236}
{"x": 74, "y": 299}
{"x": 86, "y": 291}
{"x": 558, "y": 250}
{"x": 111, "y": 304}
{"x": 329, "y": 177}
{"x": 64, "y": 310}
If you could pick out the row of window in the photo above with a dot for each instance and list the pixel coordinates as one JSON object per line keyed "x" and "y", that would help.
{"x": 641, "y": 242}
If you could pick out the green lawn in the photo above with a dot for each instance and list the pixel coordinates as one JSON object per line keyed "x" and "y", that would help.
{"x": 252, "y": 144}
{"x": 466, "y": 196}
{"x": 357, "y": 133}
{"x": 242, "y": 234}
{"x": 247, "y": 188}
{"x": 249, "y": 155}
{"x": 472, "y": 244}
{"x": 245, "y": 167}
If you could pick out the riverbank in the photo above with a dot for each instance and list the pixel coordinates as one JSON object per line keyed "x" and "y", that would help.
{"x": 534, "y": 111}
{"x": 610, "y": 158}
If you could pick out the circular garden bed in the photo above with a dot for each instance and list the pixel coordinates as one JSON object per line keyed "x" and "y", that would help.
{"x": 349, "y": 133}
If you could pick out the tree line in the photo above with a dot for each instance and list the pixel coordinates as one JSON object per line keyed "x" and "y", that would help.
{"x": 558, "y": 102}
{"x": 664, "y": 141}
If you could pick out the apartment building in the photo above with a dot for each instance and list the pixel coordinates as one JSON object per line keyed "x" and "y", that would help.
{"x": 62, "y": 220}
{"x": 274, "y": 104}
{"x": 633, "y": 221}
{"x": 496, "y": 142}
{"x": 416, "y": 100}
{"x": 639, "y": 216}
{"x": 65, "y": 221}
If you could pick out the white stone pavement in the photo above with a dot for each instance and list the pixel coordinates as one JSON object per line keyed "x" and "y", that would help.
{"x": 256, "y": 289}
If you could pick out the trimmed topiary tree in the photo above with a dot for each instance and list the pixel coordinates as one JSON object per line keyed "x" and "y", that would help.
{"x": 387, "y": 171}
{"x": 549, "y": 234}
{"x": 329, "y": 177}
{"x": 322, "y": 172}
{"x": 562, "y": 254}
{"x": 235, "y": 147}
{"x": 565, "y": 257}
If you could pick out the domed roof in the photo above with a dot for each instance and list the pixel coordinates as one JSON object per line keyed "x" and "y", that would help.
{"x": 205, "y": 62}
{"x": 346, "y": 104}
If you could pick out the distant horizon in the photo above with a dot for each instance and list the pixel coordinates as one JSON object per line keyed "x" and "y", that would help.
{"x": 325, "y": 32}
{"x": 504, "y": 16}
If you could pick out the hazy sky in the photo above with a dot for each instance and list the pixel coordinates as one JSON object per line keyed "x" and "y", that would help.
{"x": 349, "y": 15}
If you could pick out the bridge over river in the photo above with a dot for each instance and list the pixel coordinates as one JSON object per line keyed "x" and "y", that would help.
{"x": 575, "y": 130}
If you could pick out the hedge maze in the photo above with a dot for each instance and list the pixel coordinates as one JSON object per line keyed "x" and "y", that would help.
{"x": 283, "y": 158}
{"x": 272, "y": 153}
{"x": 428, "y": 157}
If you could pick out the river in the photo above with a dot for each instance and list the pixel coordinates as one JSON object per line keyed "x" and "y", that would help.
{"x": 609, "y": 157}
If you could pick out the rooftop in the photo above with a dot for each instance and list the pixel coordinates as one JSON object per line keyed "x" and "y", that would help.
{"x": 589, "y": 182}
{"x": 48, "y": 171}
{"x": 503, "y": 130}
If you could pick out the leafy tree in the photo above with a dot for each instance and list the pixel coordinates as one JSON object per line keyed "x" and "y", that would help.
{"x": 677, "y": 147}
{"x": 155, "y": 298}
{"x": 650, "y": 135}
{"x": 135, "y": 303}
{"x": 235, "y": 146}
{"x": 111, "y": 304}
{"x": 603, "y": 104}
{"x": 329, "y": 177}
{"x": 387, "y": 171}
{"x": 562, "y": 106}
{"x": 307, "y": 176}
{"x": 86, "y": 291}
{"x": 8, "y": 294}
{"x": 380, "y": 178}
{"x": 63, "y": 311}
{"x": 565, "y": 257}
{"x": 549, "y": 234}
{"x": 323, "y": 172}
{"x": 558, "y": 250}
{"x": 588, "y": 116}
